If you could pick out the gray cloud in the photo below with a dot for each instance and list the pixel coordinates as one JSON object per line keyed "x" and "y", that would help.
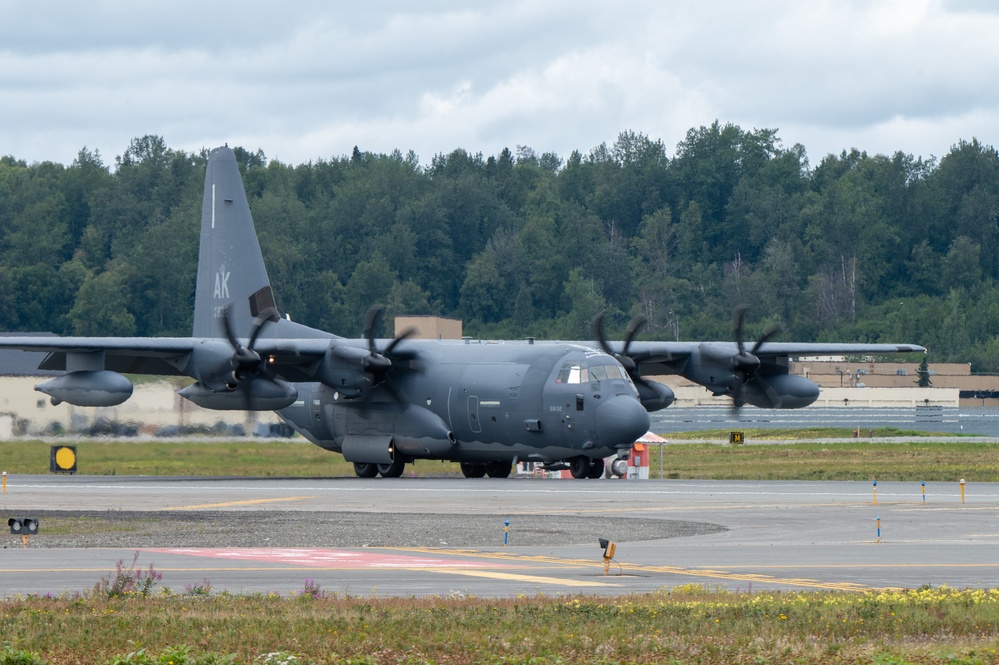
{"x": 312, "y": 79}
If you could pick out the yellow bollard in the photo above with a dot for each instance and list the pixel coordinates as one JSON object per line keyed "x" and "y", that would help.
{"x": 879, "y": 529}
{"x": 875, "y": 492}
{"x": 962, "y": 490}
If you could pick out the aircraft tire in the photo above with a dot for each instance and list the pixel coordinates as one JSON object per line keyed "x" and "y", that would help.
{"x": 365, "y": 470}
{"x": 596, "y": 468}
{"x": 470, "y": 470}
{"x": 498, "y": 469}
{"x": 393, "y": 470}
{"x": 579, "y": 467}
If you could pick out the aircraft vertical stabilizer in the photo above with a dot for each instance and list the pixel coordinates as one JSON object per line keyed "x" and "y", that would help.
{"x": 231, "y": 270}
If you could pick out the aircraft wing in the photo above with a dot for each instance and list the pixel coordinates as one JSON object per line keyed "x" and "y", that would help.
{"x": 166, "y": 356}
{"x": 757, "y": 376}
{"x": 678, "y": 357}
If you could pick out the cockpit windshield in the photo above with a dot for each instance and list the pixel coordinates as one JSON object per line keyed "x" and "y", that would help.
{"x": 605, "y": 372}
{"x": 574, "y": 372}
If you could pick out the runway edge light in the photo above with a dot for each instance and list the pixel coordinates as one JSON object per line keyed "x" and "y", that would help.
{"x": 24, "y": 527}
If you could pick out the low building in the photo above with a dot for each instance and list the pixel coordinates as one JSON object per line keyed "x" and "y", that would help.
{"x": 429, "y": 327}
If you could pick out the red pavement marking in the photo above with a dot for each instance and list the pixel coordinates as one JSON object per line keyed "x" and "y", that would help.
{"x": 322, "y": 558}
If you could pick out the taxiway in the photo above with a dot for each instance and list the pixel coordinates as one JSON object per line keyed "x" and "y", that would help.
{"x": 762, "y": 535}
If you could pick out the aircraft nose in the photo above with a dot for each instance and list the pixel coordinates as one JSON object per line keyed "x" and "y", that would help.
{"x": 621, "y": 420}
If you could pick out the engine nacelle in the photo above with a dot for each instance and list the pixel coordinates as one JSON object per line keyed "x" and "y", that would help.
{"x": 341, "y": 369}
{"x": 260, "y": 394}
{"x": 211, "y": 365}
{"x": 795, "y": 392}
{"x": 655, "y": 396}
{"x": 88, "y": 388}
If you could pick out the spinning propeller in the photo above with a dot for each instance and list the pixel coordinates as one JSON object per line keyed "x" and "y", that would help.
{"x": 246, "y": 363}
{"x": 745, "y": 364}
{"x": 622, "y": 357}
{"x": 249, "y": 386}
{"x": 377, "y": 363}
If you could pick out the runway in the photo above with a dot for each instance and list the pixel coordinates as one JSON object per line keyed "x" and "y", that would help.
{"x": 760, "y": 535}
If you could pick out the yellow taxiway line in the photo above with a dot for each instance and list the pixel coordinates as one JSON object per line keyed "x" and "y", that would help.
{"x": 644, "y": 568}
{"x": 514, "y": 577}
{"x": 229, "y": 504}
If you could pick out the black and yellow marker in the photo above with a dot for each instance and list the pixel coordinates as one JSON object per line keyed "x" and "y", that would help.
{"x": 62, "y": 459}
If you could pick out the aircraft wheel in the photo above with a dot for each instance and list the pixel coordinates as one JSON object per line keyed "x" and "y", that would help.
{"x": 365, "y": 469}
{"x": 393, "y": 470}
{"x": 498, "y": 469}
{"x": 596, "y": 468}
{"x": 579, "y": 467}
{"x": 473, "y": 470}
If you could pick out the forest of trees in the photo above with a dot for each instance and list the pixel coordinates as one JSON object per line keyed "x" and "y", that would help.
{"x": 858, "y": 248}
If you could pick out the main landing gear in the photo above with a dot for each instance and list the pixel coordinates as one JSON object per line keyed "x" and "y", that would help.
{"x": 492, "y": 469}
{"x": 370, "y": 470}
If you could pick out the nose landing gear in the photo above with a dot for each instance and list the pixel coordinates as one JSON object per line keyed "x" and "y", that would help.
{"x": 585, "y": 467}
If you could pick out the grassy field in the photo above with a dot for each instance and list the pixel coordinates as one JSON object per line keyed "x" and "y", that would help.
{"x": 247, "y": 457}
{"x": 690, "y": 624}
{"x": 786, "y": 455}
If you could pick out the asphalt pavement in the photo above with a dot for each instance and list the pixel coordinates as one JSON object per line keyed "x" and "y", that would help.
{"x": 420, "y": 536}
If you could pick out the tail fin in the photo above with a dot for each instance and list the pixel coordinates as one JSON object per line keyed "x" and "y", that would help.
{"x": 231, "y": 270}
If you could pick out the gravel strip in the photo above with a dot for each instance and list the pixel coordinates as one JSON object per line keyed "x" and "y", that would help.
{"x": 128, "y": 529}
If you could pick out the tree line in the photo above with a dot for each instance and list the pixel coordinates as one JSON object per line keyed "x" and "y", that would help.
{"x": 858, "y": 248}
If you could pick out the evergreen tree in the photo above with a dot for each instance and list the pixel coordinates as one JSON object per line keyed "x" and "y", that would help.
{"x": 923, "y": 372}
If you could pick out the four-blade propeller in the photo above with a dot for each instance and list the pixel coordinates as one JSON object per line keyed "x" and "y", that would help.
{"x": 623, "y": 357}
{"x": 246, "y": 362}
{"x": 745, "y": 364}
{"x": 378, "y": 364}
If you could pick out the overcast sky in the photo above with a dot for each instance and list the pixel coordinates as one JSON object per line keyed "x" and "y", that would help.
{"x": 312, "y": 79}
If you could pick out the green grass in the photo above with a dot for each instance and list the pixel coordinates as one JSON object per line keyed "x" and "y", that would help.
{"x": 792, "y": 456}
{"x": 909, "y": 461}
{"x": 689, "y": 624}
{"x": 806, "y": 433}
{"x": 250, "y": 457}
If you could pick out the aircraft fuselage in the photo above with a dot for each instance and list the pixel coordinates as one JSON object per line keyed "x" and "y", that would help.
{"x": 480, "y": 403}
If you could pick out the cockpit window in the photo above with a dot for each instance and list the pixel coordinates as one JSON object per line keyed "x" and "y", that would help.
{"x": 575, "y": 373}
{"x": 605, "y": 372}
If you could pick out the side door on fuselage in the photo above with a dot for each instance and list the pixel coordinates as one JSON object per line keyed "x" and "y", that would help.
{"x": 568, "y": 396}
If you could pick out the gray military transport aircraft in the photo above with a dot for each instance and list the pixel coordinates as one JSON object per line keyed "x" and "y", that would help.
{"x": 383, "y": 403}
